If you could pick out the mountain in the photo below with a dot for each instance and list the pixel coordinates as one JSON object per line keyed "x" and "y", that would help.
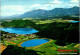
{"x": 40, "y": 13}
{"x": 34, "y": 13}
{"x": 57, "y": 12}
{"x": 64, "y": 11}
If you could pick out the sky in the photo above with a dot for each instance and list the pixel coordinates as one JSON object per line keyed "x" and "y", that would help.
{"x": 14, "y": 7}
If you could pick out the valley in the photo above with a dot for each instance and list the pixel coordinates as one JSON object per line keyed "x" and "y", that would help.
{"x": 60, "y": 32}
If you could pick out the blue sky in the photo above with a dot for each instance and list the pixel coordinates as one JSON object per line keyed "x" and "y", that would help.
{"x": 12, "y": 7}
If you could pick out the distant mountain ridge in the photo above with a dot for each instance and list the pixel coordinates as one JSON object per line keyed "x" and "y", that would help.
{"x": 57, "y": 12}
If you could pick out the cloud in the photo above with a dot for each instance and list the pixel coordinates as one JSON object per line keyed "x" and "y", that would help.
{"x": 56, "y": 2}
{"x": 35, "y": 5}
{"x": 61, "y": 4}
{"x": 38, "y": 6}
{"x": 72, "y": 5}
{"x": 49, "y": 5}
{"x": 12, "y": 9}
{"x": 74, "y": 1}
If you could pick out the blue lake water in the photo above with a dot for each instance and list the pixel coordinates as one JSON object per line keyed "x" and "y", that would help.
{"x": 20, "y": 30}
{"x": 74, "y": 21}
{"x": 34, "y": 42}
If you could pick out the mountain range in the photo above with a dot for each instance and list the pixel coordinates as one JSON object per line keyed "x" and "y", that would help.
{"x": 40, "y": 13}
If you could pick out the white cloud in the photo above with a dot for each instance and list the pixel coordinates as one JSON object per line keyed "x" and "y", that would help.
{"x": 16, "y": 8}
{"x": 72, "y": 5}
{"x": 47, "y": 5}
{"x": 38, "y": 6}
{"x": 69, "y": 5}
{"x": 35, "y": 5}
{"x": 56, "y": 2}
{"x": 74, "y": 1}
{"x": 61, "y": 4}
{"x": 41, "y": 6}
{"x": 12, "y": 9}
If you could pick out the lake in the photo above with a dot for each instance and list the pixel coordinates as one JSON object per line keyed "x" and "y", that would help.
{"x": 20, "y": 30}
{"x": 34, "y": 42}
{"x": 74, "y": 21}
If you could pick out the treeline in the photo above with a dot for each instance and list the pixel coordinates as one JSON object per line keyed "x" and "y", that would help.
{"x": 70, "y": 17}
{"x": 18, "y": 23}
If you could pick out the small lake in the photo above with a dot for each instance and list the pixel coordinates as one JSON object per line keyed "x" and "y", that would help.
{"x": 20, "y": 30}
{"x": 34, "y": 42}
{"x": 74, "y": 21}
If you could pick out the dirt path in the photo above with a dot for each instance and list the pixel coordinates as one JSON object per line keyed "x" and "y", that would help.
{"x": 12, "y": 42}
